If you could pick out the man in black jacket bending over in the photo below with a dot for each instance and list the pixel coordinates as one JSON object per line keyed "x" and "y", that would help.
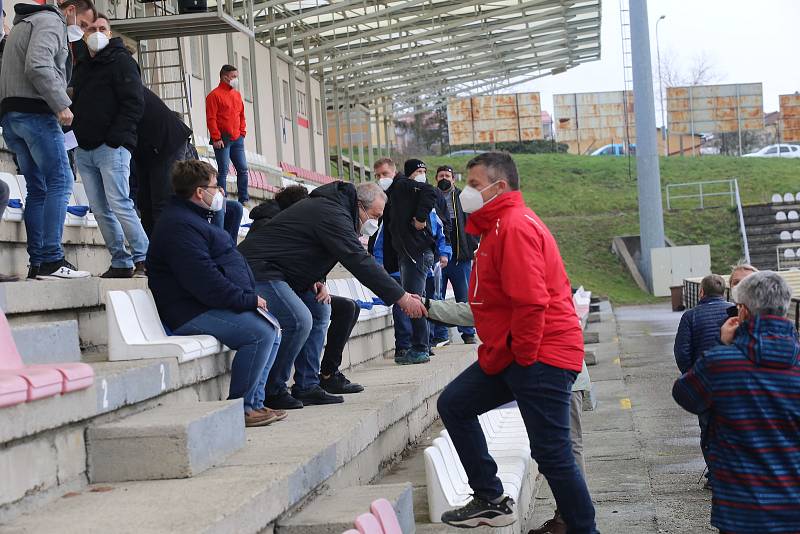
{"x": 108, "y": 103}
{"x": 291, "y": 255}
{"x": 412, "y": 200}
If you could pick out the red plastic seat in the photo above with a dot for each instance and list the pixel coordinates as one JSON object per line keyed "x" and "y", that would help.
{"x": 43, "y": 380}
{"x": 386, "y": 516}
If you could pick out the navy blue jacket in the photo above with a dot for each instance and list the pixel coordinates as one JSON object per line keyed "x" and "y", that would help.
{"x": 699, "y": 331}
{"x": 193, "y": 266}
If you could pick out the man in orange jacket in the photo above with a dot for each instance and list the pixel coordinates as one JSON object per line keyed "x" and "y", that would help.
{"x": 227, "y": 129}
{"x": 531, "y": 352}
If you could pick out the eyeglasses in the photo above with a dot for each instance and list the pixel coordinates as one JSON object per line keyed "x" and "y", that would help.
{"x": 218, "y": 188}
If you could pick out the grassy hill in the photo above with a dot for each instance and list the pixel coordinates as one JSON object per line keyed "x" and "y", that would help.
{"x": 586, "y": 201}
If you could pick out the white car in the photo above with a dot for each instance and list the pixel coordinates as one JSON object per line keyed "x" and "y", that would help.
{"x": 776, "y": 151}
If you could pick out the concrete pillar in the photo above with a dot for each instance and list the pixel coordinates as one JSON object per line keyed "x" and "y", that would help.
{"x": 276, "y": 103}
{"x": 651, "y": 217}
{"x": 310, "y": 109}
{"x": 256, "y": 102}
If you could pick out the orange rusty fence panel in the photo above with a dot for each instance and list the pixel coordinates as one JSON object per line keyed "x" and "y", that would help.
{"x": 494, "y": 118}
{"x": 715, "y": 108}
{"x": 790, "y": 118}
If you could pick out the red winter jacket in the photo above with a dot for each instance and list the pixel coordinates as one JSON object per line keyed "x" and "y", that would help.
{"x": 225, "y": 113}
{"x": 519, "y": 291}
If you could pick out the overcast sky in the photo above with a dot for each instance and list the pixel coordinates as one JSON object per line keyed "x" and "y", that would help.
{"x": 744, "y": 41}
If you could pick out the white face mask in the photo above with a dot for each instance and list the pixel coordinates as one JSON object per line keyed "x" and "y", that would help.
{"x": 74, "y": 32}
{"x": 385, "y": 183}
{"x": 472, "y": 200}
{"x": 96, "y": 42}
{"x": 421, "y": 178}
{"x": 218, "y": 202}
{"x": 369, "y": 227}
{"x": 234, "y": 83}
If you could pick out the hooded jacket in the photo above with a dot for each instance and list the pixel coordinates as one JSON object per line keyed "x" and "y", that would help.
{"x": 262, "y": 214}
{"x": 36, "y": 63}
{"x": 193, "y": 266}
{"x": 751, "y": 389}
{"x": 519, "y": 291}
{"x": 304, "y": 242}
{"x": 108, "y": 100}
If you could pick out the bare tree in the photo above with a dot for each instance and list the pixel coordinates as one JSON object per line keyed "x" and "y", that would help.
{"x": 699, "y": 72}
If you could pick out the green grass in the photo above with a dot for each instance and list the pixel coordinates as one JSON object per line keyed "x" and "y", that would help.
{"x": 586, "y": 201}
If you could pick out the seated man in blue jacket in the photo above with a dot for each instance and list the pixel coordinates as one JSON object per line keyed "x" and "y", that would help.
{"x": 202, "y": 285}
{"x": 698, "y": 332}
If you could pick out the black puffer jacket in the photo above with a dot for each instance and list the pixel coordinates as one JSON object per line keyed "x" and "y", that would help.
{"x": 108, "y": 101}
{"x": 163, "y": 132}
{"x": 304, "y": 242}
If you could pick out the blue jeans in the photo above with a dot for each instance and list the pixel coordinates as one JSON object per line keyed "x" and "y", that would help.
{"x": 413, "y": 275}
{"x": 229, "y": 219}
{"x": 256, "y": 343}
{"x": 437, "y": 330}
{"x": 38, "y": 142}
{"x": 402, "y": 325}
{"x": 457, "y": 273}
{"x": 105, "y": 172}
{"x": 233, "y": 152}
{"x": 304, "y": 322}
{"x": 543, "y": 394}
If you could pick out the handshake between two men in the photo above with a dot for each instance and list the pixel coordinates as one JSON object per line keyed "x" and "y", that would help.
{"x": 412, "y": 305}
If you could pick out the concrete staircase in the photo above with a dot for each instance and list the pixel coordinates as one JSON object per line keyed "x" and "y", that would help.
{"x": 763, "y": 233}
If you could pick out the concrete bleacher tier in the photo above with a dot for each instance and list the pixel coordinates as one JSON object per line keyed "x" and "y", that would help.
{"x": 772, "y": 227}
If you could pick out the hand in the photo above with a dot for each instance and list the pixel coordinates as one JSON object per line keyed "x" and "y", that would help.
{"x": 413, "y": 307}
{"x": 65, "y": 117}
{"x": 419, "y": 225}
{"x": 443, "y": 261}
{"x": 728, "y": 331}
{"x": 261, "y": 303}
{"x": 323, "y": 296}
{"x": 219, "y": 145}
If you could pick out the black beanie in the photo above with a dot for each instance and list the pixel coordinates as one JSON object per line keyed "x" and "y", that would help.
{"x": 412, "y": 165}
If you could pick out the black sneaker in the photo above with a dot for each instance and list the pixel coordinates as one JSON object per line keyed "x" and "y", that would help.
{"x": 139, "y": 270}
{"x": 478, "y": 512}
{"x": 316, "y": 396}
{"x": 118, "y": 272}
{"x": 33, "y": 272}
{"x": 60, "y": 270}
{"x": 338, "y": 384}
{"x": 439, "y": 342}
{"x": 282, "y": 401}
{"x": 469, "y": 340}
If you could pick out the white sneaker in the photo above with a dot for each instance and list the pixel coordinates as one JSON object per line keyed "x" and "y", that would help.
{"x": 64, "y": 271}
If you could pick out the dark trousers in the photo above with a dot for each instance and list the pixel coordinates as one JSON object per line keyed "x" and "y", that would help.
{"x": 543, "y": 393}
{"x": 704, "y": 419}
{"x": 344, "y": 316}
{"x": 413, "y": 274}
{"x": 155, "y": 187}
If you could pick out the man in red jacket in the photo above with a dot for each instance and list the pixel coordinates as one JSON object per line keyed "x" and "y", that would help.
{"x": 227, "y": 128}
{"x": 531, "y": 352}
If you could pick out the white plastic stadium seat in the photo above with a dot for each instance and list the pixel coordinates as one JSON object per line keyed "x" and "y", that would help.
{"x": 788, "y": 197}
{"x": 786, "y": 236}
{"x": 127, "y": 339}
{"x": 797, "y": 197}
{"x": 793, "y": 216}
{"x": 15, "y": 194}
{"x": 796, "y": 235}
{"x": 789, "y": 254}
{"x": 243, "y": 230}
{"x": 780, "y": 216}
{"x": 777, "y": 198}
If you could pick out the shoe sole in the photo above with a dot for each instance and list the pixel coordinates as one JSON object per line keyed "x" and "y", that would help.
{"x": 53, "y": 277}
{"x": 342, "y": 392}
{"x": 412, "y": 363}
{"x": 475, "y": 522}
{"x": 442, "y": 344}
{"x": 256, "y": 424}
{"x": 320, "y": 403}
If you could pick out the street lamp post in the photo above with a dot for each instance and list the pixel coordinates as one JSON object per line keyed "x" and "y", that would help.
{"x": 664, "y": 135}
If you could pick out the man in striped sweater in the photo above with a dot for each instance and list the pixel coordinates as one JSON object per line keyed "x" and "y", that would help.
{"x": 752, "y": 390}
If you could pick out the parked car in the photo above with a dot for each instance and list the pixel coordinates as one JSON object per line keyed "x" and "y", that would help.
{"x": 466, "y": 152}
{"x": 615, "y": 149}
{"x": 776, "y": 151}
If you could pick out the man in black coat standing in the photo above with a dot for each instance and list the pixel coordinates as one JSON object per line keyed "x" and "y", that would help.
{"x": 108, "y": 104}
{"x": 291, "y": 256}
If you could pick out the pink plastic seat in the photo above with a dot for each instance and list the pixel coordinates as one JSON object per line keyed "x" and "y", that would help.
{"x": 384, "y": 512}
{"x": 13, "y": 390}
{"x": 351, "y": 531}
{"x": 43, "y": 380}
{"x": 368, "y": 524}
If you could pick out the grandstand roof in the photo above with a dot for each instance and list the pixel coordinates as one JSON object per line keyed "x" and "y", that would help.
{"x": 416, "y": 53}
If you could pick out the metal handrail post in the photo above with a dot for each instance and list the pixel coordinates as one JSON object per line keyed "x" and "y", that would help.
{"x": 741, "y": 222}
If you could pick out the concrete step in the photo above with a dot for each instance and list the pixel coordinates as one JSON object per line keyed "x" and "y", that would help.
{"x": 334, "y": 512}
{"x": 339, "y": 446}
{"x": 48, "y": 342}
{"x": 177, "y": 441}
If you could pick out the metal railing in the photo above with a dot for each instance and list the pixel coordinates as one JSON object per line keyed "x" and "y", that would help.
{"x": 742, "y": 228}
{"x": 702, "y": 192}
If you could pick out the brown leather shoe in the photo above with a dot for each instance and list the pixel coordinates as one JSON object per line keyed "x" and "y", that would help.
{"x": 257, "y": 418}
{"x": 552, "y": 526}
{"x": 278, "y": 415}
